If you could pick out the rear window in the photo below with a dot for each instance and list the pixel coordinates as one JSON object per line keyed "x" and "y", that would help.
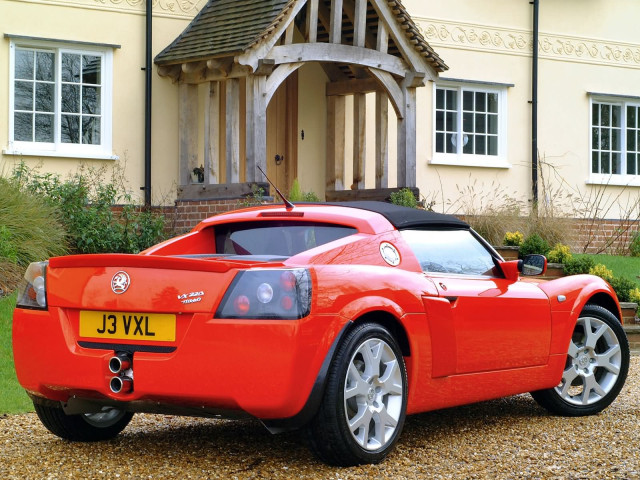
{"x": 275, "y": 237}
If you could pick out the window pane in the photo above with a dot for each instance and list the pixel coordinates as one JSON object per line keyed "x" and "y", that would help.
{"x": 23, "y": 96}
{"x": 631, "y": 141}
{"x": 70, "y": 67}
{"x": 24, "y": 64}
{"x": 23, "y": 127}
{"x": 481, "y": 102}
{"x": 467, "y": 122}
{"x": 91, "y": 130}
{"x": 91, "y": 69}
{"x": 605, "y": 114}
{"x": 493, "y": 145}
{"x": 452, "y": 100}
{"x": 605, "y": 162}
{"x": 70, "y": 128}
{"x": 452, "y": 120}
{"x": 468, "y": 146}
{"x": 595, "y": 114}
{"x": 493, "y": 124}
{"x": 615, "y": 163}
{"x": 615, "y": 139}
{"x": 70, "y": 98}
{"x": 439, "y": 99}
{"x": 493, "y": 102}
{"x": 91, "y": 100}
{"x": 605, "y": 139}
{"x": 440, "y": 142}
{"x": 480, "y": 145}
{"x": 481, "y": 123}
{"x": 440, "y": 121}
{"x": 44, "y": 128}
{"x": 44, "y": 97}
{"x": 615, "y": 114}
{"x": 632, "y": 117}
{"x": 595, "y": 162}
{"x": 45, "y": 66}
{"x": 451, "y": 143}
{"x": 631, "y": 163}
{"x": 595, "y": 137}
{"x": 467, "y": 98}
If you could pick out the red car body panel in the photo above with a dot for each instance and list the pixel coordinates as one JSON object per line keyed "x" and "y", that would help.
{"x": 465, "y": 339}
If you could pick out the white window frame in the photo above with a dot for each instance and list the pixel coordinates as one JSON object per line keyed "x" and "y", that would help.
{"x": 619, "y": 179}
{"x": 467, "y": 159}
{"x": 58, "y": 148}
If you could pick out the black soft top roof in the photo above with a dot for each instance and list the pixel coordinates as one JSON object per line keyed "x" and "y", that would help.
{"x": 405, "y": 217}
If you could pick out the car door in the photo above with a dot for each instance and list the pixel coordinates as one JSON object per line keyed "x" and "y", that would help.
{"x": 496, "y": 323}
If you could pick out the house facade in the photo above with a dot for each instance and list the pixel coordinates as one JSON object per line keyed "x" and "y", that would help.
{"x": 349, "y": 97}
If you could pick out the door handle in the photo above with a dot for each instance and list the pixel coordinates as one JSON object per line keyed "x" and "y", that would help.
{"x": 279, "y": 159}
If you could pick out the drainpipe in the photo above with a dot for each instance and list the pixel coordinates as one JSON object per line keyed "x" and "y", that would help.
{"x": 147, "y": 106}
{"x": 534, "y": 105}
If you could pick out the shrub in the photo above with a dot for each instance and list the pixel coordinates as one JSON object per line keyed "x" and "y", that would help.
{"x": 534, "y": 243}
{"x": 634, "y": 246}
{"x": 404, "y": 197}
{"x": 513, "y": 239}
{"x": 623, "y": 287}
{"x": 634, "y": 295}
{"x": 602, "y": 271}
{"x": 578, "y": 265}
{"x": 85, "y": 203}
{"x": 255, "y": 198}
{"x": 559, "y": 254}
{"x": 297, "y": 195}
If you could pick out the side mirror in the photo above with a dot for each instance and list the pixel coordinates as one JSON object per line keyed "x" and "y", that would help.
{"x": 533, "y": 265}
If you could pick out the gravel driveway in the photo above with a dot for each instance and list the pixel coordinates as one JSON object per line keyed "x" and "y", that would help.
{"x": 510, "y": 438}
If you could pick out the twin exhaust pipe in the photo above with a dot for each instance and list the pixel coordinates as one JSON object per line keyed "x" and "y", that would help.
{"x": 119, "y": 365}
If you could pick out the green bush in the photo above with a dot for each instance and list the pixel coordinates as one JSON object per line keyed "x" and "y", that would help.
{"x": 513, "y": 239}
{"x": 559, "y": 254}
{"x": 623, "y": 288}
{"x": 578, "y": 265}
{"x": 404, "y": 197}
{"x": 634, "y": 246}
{"x": 534, "y": 243}
{"x": 297, "y": 195}
{"x": 85, "y": 202}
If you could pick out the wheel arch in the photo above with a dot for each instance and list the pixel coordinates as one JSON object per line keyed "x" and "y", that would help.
{"x": 391, "y": 323}
{"x": 605, "y": 301}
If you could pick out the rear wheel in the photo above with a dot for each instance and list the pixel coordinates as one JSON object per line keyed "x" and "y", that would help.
{"x": 85, "y": 427}
{"x": 596, "y": 367}
{"x": 363, "y": 409}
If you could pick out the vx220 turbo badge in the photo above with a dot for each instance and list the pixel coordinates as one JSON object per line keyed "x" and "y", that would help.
{"x": 191, "y": 297}
{"x": 120, "y": 282}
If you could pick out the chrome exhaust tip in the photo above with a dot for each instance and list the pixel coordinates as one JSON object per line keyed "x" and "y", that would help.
{"x": 119, "y": 363}
{"x": 121, "y": 384}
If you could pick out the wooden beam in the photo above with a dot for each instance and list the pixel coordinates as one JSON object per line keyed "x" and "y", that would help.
{"x": 222, "y": 191}
{"x": 335, "y": 29}
{"x": 407, "y": 140}
{"x": 328, "y": 52}
{"x": 288, "y": 36}
{"x": 336, "y": 120}
{"x": 187, "y": 131}
{"x": 350, "y": 87}
{"x": 392, "y": 88}
{"x": 256, "y": 128}
{"x": 382, "y": 140}
{"x": 194, "y": 67}
{"x": 312, "y": 21}
{"x": 359, "y": 140}
{"x": 360, "y": 23}
{"x": 276, "y": 79}
{"x": 232, "y": 142}
{"x": 382, "y": 42}
{"x": 212, "y": 135}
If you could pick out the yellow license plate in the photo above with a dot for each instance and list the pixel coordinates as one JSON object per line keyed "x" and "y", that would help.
{"x": 155, "y": 327}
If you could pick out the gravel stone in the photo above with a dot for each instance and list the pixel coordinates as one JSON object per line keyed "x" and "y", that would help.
{"x": 510, "y": 438}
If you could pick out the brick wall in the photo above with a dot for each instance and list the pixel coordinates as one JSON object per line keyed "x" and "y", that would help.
{"x": 188, "y": 213}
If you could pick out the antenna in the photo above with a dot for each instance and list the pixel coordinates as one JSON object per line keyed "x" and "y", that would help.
{"x": 287, "y": 203}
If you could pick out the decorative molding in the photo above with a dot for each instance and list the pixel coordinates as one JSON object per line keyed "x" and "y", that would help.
{"x": 485, "y": 38}
{"x": 186, "y": 9}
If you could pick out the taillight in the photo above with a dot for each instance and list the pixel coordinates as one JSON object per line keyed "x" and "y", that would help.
{"x": 33, "y": 289}
{"x": 272, "y": 294}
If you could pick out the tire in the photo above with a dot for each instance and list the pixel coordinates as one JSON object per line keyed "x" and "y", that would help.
{"x": 364, "y": 404}
{"x": 85, "y": 427}
{"x": 596, "y": 368}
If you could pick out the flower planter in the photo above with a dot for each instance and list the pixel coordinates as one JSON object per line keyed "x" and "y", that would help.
{"x": 508, "y": 253}
{"x": 554, "y": 270}
{"x": 629, "y": 310}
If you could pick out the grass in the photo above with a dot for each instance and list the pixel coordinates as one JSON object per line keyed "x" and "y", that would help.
{"x": 13, "y": 398}
{"x": 628, "y": 267}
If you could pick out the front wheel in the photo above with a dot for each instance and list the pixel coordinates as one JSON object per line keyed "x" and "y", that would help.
{"x": 596, "y": 367}
{"x": 364, "y": 404}
{"x": 84, "y": 427}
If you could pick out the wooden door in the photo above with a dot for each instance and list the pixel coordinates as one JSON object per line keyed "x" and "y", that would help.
{"x": 282, "y": 135}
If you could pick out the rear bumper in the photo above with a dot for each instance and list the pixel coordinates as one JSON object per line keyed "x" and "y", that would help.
{"x": 264, "y": 368}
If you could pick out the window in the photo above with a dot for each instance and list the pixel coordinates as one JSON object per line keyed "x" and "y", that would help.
{"x": 469, "y": 126}
{"x": 615, "y": 141}
{"x": 449, "y": 251}
{"x": 60, "y": 100}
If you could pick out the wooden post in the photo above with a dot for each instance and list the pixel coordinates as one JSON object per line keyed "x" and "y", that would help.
{"x": 188, "y": 131}
{"x": 335, "y": 34}
{"x": 359, "y": 140}
{"x": 312, "y": 21}
{"x": 233, "y": 130}
{"x": 382, "y": 140}
{"x": 336, "y": 120}
{"x": 407, "y": 140}
{"x": 360, "y": 23}
{"x": 212, "y": 134}
{"x": 256, "y": 128}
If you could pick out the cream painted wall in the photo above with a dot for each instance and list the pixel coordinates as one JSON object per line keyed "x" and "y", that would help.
{"x": 110, "y": 23}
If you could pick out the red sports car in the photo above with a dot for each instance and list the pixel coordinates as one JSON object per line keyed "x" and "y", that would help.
{"x": 337, "y": 318}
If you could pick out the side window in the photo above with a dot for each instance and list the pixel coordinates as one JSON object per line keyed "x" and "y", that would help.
{"x": 450, "y": 251}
